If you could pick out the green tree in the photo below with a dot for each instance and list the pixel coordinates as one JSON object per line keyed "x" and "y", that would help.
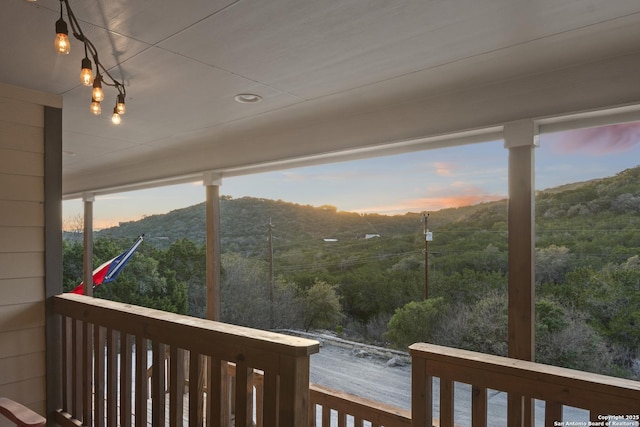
{"x": 141, "y": 284}
{"x": 188, "y": 262}
{"x": 72, "y": 266}
{"x": 552, "y": 264}
{"x": 322, "y": 307}
{"x": 563, "y": 338}
{"x": 415, "y": 322}
{"x": 246, "y": 299}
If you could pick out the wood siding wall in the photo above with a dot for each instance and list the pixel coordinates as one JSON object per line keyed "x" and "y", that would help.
{"x": 22, "y": 248}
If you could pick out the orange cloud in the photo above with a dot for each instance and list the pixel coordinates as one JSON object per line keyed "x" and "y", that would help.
{"x": 431, "y": 203}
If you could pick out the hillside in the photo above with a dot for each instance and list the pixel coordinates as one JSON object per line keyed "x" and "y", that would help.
{"x": 596, "y": 205}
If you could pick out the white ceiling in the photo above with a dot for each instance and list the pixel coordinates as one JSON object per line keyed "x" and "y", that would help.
{"x": 334, "y": 75}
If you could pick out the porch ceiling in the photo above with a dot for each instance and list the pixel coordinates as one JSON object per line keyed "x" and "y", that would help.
{"x": 333, "y": 75}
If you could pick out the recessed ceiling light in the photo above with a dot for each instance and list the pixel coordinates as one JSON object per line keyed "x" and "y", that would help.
{"x": 248, "y": 98}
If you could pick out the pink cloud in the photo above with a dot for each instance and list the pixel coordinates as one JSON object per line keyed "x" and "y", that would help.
{"x": 444, "y": 169}
{"x": 597, "y": 141}
{"x": 465, "y": 197}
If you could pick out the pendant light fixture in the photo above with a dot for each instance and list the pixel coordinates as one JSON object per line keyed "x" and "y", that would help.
{"x": 115, "y": 118}
{"x": 61, "y": 42}
{"x": 98, "y": 93}
{"x": 95, "y": 108}
{"x": 102, "y": 75}
{"x": 86, "y": 74}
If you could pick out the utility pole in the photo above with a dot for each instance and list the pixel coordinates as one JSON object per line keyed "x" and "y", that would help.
{"x": 271, "y": 277}
{"x": 427, "y": 239}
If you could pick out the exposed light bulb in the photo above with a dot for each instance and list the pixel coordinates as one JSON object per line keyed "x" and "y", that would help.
{"x": 120, "y": 107}
{"x": 95, "y": 108}
{"x": 86, "y": 75}
{"x": 61, "y": 43}
{"x": 116, "y": 119}
{"x": 98, "y": 94}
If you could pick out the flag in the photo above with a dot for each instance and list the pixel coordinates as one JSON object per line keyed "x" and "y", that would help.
{"x": 108, "y": 271}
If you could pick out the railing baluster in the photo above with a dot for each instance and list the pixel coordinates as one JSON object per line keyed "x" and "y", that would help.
{"x": 258, "y": 386}
{"x": 196, "y": 380}
{"x": 112, "y": 378}
{"x": 176, "y": 387}
{"x": 244, "y": 394}
{"x": 478, "y": 406}
{"x": 446, "y": 402}
{"x": 87, "y": 371}
{"x": 67, "y": 368}
{"x": 326, "y": 416}
{"x": 270, "y": 400}
{"x": 98, "y": 375}
{"x": 141, "y": 386}
{"x": 214, "y": 386}
{"x": 158, "y": 384}
{"x": 552, "y": 413}
{"x": 126, "y": 378}
{"x": 76, "y": 369}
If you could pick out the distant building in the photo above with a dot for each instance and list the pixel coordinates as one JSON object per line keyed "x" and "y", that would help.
{"x": 330, "y": 240}
{"x": 371, "y": 236}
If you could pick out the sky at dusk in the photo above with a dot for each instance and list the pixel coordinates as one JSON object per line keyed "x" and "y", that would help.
{"x": 414, "y": 182}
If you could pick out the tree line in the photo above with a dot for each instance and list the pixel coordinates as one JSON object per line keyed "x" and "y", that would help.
{"x": 587, "y": 273}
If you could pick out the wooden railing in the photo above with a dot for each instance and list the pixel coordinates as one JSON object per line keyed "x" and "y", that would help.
{"x": 602, "y": 396}
{"x": 352, "y": 410}
{"x": 329, "y": 407}
{"x": 105, "y": 360}
{"x": 262, "y": 378}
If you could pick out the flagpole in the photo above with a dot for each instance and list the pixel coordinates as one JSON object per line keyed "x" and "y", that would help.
{"x": 426, "y": 258}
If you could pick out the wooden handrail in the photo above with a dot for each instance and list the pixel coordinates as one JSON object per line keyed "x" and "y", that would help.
{"x": 19, "y": 414}
{"x": 362, "y": 410}
{"x": 601, "y": 395}
{"x": 99, "y": 335}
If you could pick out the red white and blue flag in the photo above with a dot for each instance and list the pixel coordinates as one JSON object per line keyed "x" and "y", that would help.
{"x": 108, "y": 271}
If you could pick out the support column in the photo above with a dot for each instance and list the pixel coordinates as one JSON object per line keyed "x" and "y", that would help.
{"x": 53, "y": 254}
{"x": 212, "y": 183}
{"x": 521, "y": 139}
{"x": 88, "y": 200}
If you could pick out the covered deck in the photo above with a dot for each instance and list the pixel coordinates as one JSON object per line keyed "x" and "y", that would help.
{"x": 337, "y": 80}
